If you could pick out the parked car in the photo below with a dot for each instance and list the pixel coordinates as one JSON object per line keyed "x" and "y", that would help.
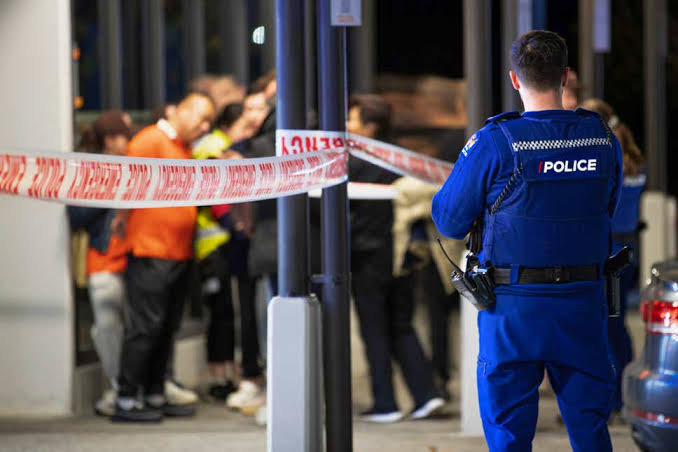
{"x": 651, "y": 381}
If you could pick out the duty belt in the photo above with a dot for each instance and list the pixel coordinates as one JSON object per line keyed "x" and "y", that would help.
{"x": 547, "y": 275}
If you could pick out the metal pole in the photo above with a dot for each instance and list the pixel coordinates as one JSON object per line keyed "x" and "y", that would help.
{"x": 293, "y": 229}
{"x": 110, "y": 51}
{"x": 294, "y": 317}
{"x": 335, "y": 259}
{"x": 194, "y": 38}
{"x": 655, "y": 43}
{"x": 510, "y": 97}
{"x": 477, "y": 65}
{"x": 153, "y": 52}
{"x": 361, "y": 51}
{"x": 234, "y": 52}
{"x": 586, "y": 56}
{"x": 310, "y": 64}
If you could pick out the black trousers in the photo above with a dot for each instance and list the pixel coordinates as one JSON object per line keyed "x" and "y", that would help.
{"x": 440, "y": 305}
{"x": 238, "y": 253}
{"x": 215, "y": 279}
{"x": 156, "y": 292}
{"x": 249, "y": 333}
{"x": 385, "y": 309}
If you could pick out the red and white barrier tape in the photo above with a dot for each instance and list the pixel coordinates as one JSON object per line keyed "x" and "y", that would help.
{"x": 400, "y": 160}
{"x": 307, "y": 160}
{"x": 364, "y": 191}
{"x": 388, "y": 156}
{"x": 124, "y": 182}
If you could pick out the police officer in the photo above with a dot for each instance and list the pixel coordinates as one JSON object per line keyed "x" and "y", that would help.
{"x": 625, "y": 228}
{"x": 544, "y": 185}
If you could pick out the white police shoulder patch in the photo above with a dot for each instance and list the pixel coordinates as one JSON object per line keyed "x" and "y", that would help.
{"x": 470, "y": 144}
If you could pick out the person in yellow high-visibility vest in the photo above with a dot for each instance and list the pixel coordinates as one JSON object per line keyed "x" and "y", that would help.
{"x": 220, "y": 237}
{"x": 210, "y": 244}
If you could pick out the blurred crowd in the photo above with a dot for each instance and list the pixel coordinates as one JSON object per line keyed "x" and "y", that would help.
{"x": 143, "y": 265}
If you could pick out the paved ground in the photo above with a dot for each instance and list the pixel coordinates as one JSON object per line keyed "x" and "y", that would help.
{"x": 216, "y": 429}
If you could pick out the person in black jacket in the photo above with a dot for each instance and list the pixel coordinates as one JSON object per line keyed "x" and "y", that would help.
{"x": 384, "y": 303}
{"x": 259, "y": 252}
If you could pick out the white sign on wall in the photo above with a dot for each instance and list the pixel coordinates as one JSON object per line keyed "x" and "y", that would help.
{"x": 347, "y": 13}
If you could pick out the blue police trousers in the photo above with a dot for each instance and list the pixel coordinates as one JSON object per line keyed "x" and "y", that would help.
{"x": 564, "y": 334}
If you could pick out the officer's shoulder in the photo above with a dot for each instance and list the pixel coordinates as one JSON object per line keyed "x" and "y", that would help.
{"x": 587, "y": 113}
{"x": 506, "y": 116}
{"x": 481, "y": 139}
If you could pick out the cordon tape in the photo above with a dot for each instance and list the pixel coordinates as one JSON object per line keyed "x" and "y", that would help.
{"x": 307, "y": 161}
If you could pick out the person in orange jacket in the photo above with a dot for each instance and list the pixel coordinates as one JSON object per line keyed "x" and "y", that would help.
{"x": 106, "y": 255}
{"x": 158, "y": 273}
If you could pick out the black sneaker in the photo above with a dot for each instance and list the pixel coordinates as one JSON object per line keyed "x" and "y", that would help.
{"x": 170, "y": 410}
{"x": 137, "y": 413}
{"x": 221, "y": 392}
{"x": 159, "y": 402}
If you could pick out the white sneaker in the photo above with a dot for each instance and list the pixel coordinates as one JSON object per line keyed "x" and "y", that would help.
{"x": 381, "y": 417}
{"x": 247, "y": 392}
{"x": 251, "y": 407}
{"x": 105, "y": 406}
{"x": 428, "y": 409}
{"x": 177, "y": 395}
{"x": 262, "y": 416}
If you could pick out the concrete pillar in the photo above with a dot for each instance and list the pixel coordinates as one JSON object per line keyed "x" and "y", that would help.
{"x": 194, "y": 39}
{"x": 36, "y": 303}
{"x": 516, "y": 20}
{"x": 234, "y": 34}
{"x": 267, "y": 18}
{"x": 477, "y": 32}
{"x": 110, "y": 53}
{"x": 594, "y": 42}
{"x": 153, "y": 52}
{"x": 586, "y": 65}
{"x": 655, "y": 44}
{"x": 362, "y": 60}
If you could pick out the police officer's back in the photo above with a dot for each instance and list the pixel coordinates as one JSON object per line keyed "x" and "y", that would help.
{"x": 543, "y": 185}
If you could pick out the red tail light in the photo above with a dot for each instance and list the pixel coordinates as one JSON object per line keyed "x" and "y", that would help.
{"x": 654, "y": 417}
{"x": 661, "y": 317}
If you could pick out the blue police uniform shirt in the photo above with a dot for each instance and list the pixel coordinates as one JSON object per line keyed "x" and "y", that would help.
{"x": 480, "y": 174}
{"x": 477, "y": 179}
{"x": 625, "y": 219}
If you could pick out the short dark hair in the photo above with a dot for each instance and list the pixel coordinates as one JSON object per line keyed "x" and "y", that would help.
{"x": 228, "y": 115}
{"x": 373, "y": 109}
{"x": 539, "y": 58}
